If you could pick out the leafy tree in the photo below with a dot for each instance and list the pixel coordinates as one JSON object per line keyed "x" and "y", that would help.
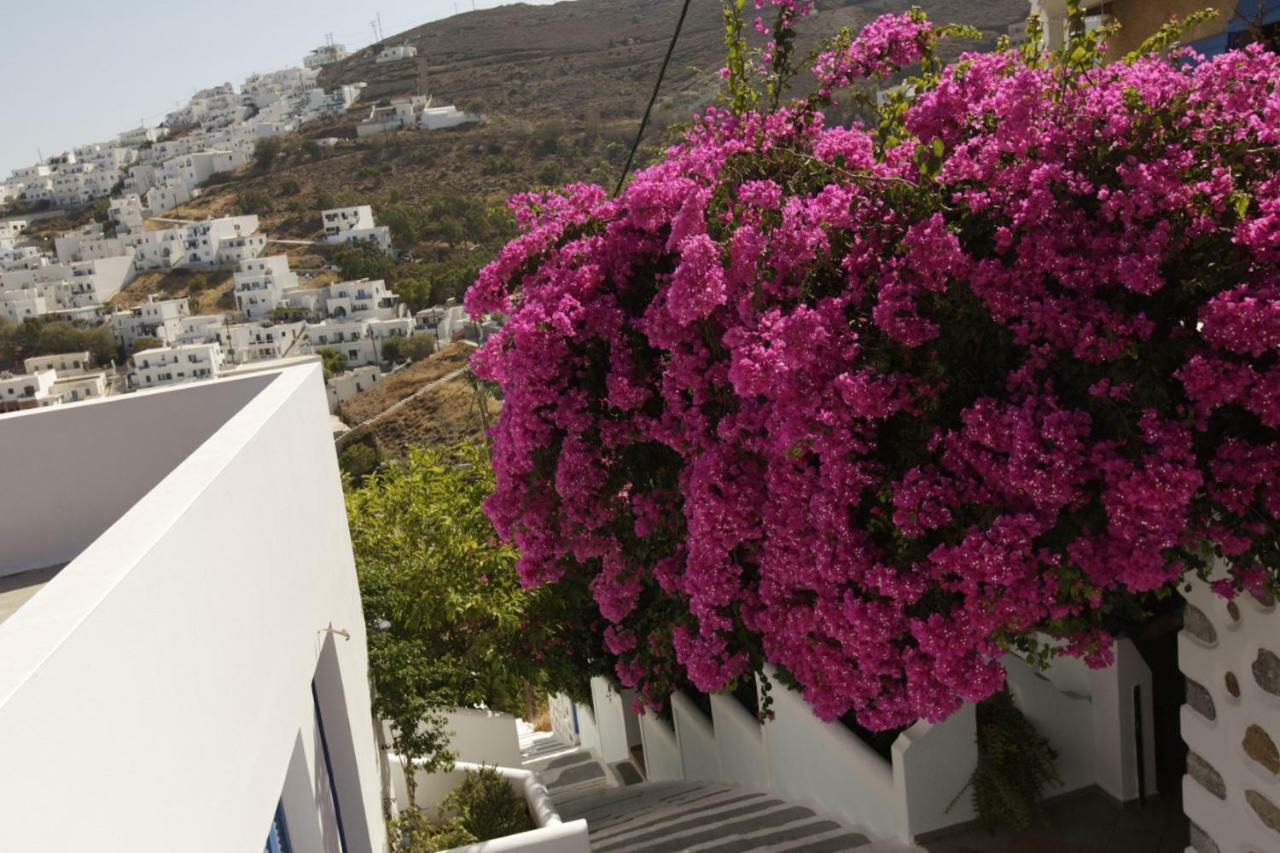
{"x": 359, "y": 460}
{"x": 449, "y": 623}
{"x": 419, "y": 346}
{"x": 334, "y": 362}
{"x": 266, "y": 150}
{"x": 253, "y": 202}
{"x": 290, "y": 187}
{"x": 364, "y": 259}
{"x": 393, "y": 349}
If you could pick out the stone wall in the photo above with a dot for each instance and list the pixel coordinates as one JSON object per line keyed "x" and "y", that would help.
{"x": 1230, "y": 653}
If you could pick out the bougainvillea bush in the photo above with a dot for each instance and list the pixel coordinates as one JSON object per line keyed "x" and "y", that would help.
{"x": 878, "y": 404}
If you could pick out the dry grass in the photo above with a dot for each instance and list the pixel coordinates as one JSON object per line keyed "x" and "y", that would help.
{"x": 403, "y": 383}
{"x": 212, "y": 289}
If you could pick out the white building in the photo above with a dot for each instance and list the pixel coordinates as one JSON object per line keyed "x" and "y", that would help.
{"x": 74, "y": 389}
{"x": 27, "y": 391}
{"x": 156, "y": 318}
{"x": 261, "y": 284}
{"x": 353, "y": 339}
{"x": 349, "y": 224}
{"x": 173, "y": 365}
{"x": 64, "y": 363}
{"x": 325, "y": 54}
{"x": 439, "y": 118}
{"x": 182, "y": 615}
{"x": 395, "y": 53}
{"x": 209, "y": 243}
{"x": 67, "y": 286}
{"x": 349, "y": 383}
{"x": 360, "y": 300}
{"x": 127, "y": 213}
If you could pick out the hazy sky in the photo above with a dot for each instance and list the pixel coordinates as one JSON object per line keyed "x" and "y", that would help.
{"x": 81, "y": 71}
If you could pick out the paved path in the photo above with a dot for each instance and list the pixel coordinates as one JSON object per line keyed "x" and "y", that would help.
{"x": 670, "y": 817}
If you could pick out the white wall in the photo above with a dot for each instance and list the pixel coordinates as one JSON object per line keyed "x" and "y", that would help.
{"x": 611, "y": 709}
{"x": 740, "y": 744}
{"x": 159, "y": 685}
{"x": 828, "y": 766}
{"x": 662, "y": 760}
{"x": 1064, "y": 719}
{"x": 163, "y": 430}
{"x": 588, "y": 732}
{"x": 1243, "y": 728}
{"x": 484, "y": 737}
{"x": 932, "y": 763}
{"x": 1116, "y": 750}
{"x": 699, "y": 755}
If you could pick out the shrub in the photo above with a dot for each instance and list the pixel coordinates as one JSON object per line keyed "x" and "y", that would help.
{"x": 364, "y": 259}
{"x": 420, "y": 346}
{"x": 412, "y": 832}
{"x": 253, "y": 202}
{"x": 881, "y": 404}
{"x": 290, "y": 187}
{"x": 312, "y": 149}
{"x": 334, "y": 362}
{"x": 486, "y": 805}
{"x": 1015, "y": 765}
{"x": 359, "y": 461}
{"x": 392, "y": 349}
{"x": 266, "y": 150}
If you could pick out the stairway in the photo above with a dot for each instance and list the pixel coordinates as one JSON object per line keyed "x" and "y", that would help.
{"x": 670, "y": 817}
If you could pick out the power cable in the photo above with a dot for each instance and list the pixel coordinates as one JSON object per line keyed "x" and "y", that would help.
{"x": 644, "y": 122}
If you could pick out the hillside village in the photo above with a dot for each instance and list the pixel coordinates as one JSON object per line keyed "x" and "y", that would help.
{"x": 83, "y": 283}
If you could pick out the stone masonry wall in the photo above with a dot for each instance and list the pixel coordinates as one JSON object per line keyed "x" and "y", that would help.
{"x": 1230, "y": 653}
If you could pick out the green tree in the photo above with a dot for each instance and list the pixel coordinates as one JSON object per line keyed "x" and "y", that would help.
{"x": 333, "y": 361}
{"x": 290, "y": 187}
{"x": 419, "y": 346}
{"x": 364, "y": 259}
{"x": 253, "y": 202}
{"x": 449, "y": 623}
{"x": 266, "y": 150}
{"x": 393, "y": 348}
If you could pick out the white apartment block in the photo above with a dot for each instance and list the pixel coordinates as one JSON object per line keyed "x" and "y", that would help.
{"x": 10, "y": 229}
{"x": 349, "y": 224}
{"x": 395, "y": 53}
{"x": 162, "y": 199}
{"x": 22, "y": 258}
{"x": 156, "y": 318}
{"x": 23, "y": 303}
{"x": 349, "y": 383}
{"x": 261, "y": 284}
{"x": 359, "y": 340}
{"x": 140, "y": 136}
{"x": 66, "y": 286}
{"x": 174, "y": 365}
{"x": 188, "y": 622}
{"x": 127, "y": 213}
{"x": 250, "y": 342}
{"x": 90, "y": 243}
{"x": 65, "y": 363}
{"x": 208, "y": 243}
{"x": 360, "y": 300}
{"x": 27, "y": 390}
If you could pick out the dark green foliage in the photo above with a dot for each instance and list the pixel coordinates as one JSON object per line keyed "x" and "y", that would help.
{"x": 145, "y": 343}
{"x": 419, "y": 346}
{"x": 1015, "y": 765}
{"x": 334, "y": 362}
{"x": 290, "y": 187}
{"x": 412, "y": 832}
{"x": 486, "y": 805}
{"x": 393, "y": 349}
{"x": 251, "y": 202}
{"x": 266, "y": 150}
{"x": 41, "y": 337}
{"x": 364, "y": 259}
{"x": 358, "y": 461}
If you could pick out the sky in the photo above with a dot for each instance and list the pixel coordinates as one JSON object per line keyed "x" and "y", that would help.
{"x": 85, "y": 70}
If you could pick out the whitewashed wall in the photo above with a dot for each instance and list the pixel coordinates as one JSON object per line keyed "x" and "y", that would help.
{"x": 699, "y": 755}
{"x": 160, "y": 686}
{"x": 484, "y": 737}
{"x": 662, "y": 760}
{"x": 1230, "y": 653}
{"x": 932, "y": 763}
{"x": 740, "y": 744}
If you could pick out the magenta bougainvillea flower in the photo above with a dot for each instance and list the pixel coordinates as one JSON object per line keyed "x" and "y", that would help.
{"x": 878, "y": 405}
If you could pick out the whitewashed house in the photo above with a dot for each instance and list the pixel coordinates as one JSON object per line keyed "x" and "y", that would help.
{"x": 395, "y": 53}
{"x": 27, "y": 390}
{"x": 21, "y": 304}
{"x": 353, "y": 339}
{"x": 65, "y": 286}
{"x": 127, "y": 213}
{"x": 325, "y": 54}
{"x": 261, "y": 284}
{"x": 182, "y": 615}
{"x": 218, "y": 242}
{"x": 349, "y": 224}
{"x": 89, "y": 243}
{"x": 64, "y": 363}
{"x": 156, "y": 318}
{"x": 439, "y": 118}
{"x": 246, "y": 343}
{"x": 351, "y": 382}
{"x": 173, "y": 365}
{"x": 360, "y": 300}
{"x": 10, "y": 229}
{"x": 77, "y": 388}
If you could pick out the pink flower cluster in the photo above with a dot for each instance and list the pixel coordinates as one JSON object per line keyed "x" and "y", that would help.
{"x": 795, "y": 398}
